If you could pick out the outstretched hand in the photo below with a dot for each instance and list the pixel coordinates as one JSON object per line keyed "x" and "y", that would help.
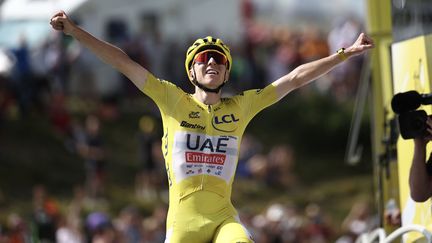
{"x": 60, "y": 21}
{"x": 361, "y": 45}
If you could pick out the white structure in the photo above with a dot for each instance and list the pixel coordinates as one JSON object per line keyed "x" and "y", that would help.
{"x": 177, "y": 20}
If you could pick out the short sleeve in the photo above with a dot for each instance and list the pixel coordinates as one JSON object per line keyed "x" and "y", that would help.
{"x": 255, "y": 100}
{"x": 162, "y": 92}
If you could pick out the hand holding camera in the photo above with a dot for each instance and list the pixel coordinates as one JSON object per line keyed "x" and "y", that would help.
{"x": 413, "y": 123}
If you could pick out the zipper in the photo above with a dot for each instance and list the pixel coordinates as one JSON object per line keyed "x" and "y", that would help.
{"x": 209, "y": 121}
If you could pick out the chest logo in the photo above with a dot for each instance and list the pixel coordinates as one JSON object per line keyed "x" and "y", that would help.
{"x": 225, "y": 123}
{"x": 225, "y": 119}
{"x": 194, "y": 114}
{"x": 190, "y": 125}
{"x": 205, "y": 150}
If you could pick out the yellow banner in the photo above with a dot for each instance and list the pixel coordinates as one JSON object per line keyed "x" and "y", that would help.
{"x": 411, "y": 69}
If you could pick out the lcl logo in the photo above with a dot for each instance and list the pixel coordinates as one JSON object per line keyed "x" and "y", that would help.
{"x": 219, "y": 121}
{"x": 225, "y": 119}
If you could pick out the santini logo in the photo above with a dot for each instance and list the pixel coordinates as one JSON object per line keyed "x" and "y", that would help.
{"x": 193, "y": 126}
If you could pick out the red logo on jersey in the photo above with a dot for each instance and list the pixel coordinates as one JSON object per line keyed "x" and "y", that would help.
{"x": 196, "y": 157}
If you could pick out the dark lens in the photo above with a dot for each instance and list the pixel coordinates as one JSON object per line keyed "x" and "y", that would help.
{"x": 201, "y": 57}
{"x": 204, "y": 57}
{"x": 219, "y": 58}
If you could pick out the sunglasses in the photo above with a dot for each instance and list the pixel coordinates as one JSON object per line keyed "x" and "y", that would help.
{"x": 204, "y": 57}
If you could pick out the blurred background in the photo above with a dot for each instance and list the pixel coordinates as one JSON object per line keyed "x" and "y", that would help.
{"x": 80, "y": 151}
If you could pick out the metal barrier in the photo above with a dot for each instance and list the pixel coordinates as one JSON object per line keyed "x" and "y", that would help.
{"x": 379, "y": 235}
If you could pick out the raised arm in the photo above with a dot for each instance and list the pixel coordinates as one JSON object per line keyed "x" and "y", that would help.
{"x": 308, "y": 72}
{"x": 420, "y": 181}
{"x": 108, "y": 53}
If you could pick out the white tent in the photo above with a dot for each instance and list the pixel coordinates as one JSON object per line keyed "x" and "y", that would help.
{"x": 29, "y": 19}
{"x": 31, "y": 9}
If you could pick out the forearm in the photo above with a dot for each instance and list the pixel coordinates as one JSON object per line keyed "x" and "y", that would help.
{"x": 108, "y": 53}
{"x": 112, "y": 55}
{"x": 306, "y": 73}
{"x": 419, "y": 179}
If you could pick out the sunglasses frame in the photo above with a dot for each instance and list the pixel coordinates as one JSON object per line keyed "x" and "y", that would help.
{"x": 211, "y": 50}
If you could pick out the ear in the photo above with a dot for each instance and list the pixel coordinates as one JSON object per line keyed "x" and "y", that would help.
{"x": 191, "y": 73}
{"x": 227, "y": 74}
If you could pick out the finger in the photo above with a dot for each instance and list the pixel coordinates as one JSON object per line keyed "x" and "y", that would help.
{"x": 368, "y": 46}
{"x": 370, "y": 40}
{"x": 366, "y": 39}
{"x": 370, "y": 43}
{"x": 58, "y": 28}
{"x": 64, "y": 14}
{"x": 54, "y": 20}
{"x": 58, "y": 15}
{"x": 57, "y": 25}
{"x": 58, "y": 21}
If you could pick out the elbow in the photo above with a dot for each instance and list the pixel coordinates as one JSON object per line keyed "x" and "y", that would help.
{"x": 296, "y": 77}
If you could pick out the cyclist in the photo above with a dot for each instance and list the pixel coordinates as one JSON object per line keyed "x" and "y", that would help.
{"x": 202, "y": 131}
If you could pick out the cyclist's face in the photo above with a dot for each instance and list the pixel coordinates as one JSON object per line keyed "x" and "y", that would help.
{"x": 210, "y": 74}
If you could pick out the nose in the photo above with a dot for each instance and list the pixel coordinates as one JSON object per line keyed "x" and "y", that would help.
{"x": 211, "y": 61}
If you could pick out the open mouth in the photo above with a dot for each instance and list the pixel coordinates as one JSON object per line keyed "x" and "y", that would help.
{"x": 212, "y": 71}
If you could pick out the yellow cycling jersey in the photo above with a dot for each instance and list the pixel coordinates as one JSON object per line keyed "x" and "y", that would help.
{"x": 201, "y": 142}
{"x": 201, "y": 146}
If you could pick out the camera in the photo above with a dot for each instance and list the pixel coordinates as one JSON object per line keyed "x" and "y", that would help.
{"x": 412, "y": 122}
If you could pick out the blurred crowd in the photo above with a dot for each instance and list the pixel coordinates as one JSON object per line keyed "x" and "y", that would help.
{"x": 44, "y": 80}
{"x": 88, "y": 216}
{"x": 79, "y": 222}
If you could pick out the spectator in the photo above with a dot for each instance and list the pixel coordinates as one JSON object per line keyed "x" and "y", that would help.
{"x": 18, "y": 232}
{"x": 69, "y": 230}
{"x": 357, "y": 222}
{"x": 129, "y": 224}
{"x": 100, "y": 229}
{"x": 154, "y": 226}
{"x": 258, "y": 166}
{"x": 146, "y": 178}
{"x": 22, "y": 78}
{"x": 249, "y": 147}
{"x": 281, "y": 158}
{"x": 45, "y": 215}
{"x": 317, "y": 228}
{"x": 93, "y": 152}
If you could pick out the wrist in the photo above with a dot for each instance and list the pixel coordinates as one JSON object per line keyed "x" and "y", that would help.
{"x": 342, "y": 53}
{"x": 73, "y": 31}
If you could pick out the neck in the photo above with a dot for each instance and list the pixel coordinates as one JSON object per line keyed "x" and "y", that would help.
{"x": 207, "y": 98}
